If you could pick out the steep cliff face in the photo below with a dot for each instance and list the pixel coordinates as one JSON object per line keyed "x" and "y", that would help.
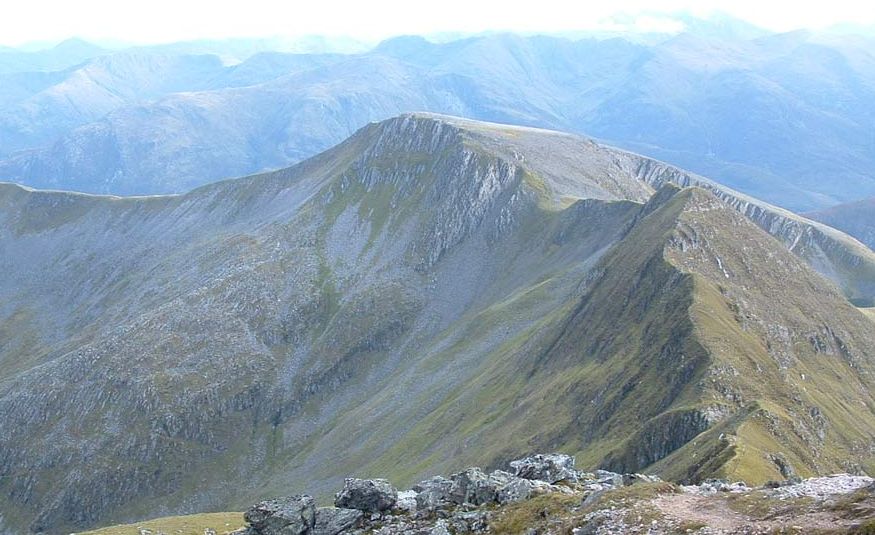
{"x": 430, "y": 293}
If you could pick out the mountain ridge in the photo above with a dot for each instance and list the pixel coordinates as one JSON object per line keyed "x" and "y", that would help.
{"x": 639, "y": 96}
{"x": 855, "y": 218}
{"x": 814, "y": 240}
{"x": 431, "y": 292}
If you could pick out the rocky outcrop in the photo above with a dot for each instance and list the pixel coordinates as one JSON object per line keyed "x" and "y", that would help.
{"x": 368, "y": 495}
{"x": 595, "y": 503}
{"x": 334, "y": 520}
{"x": 433, "y": 492}
{"x": 833, "y": 254}
{"x": 550, "y": 468}
{"x": 459, "y": 504}
{"x": 295, "y": 515}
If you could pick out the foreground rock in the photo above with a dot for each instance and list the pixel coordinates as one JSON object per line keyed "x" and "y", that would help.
{"x": 368, "y": 495}
{"x": 289, "y": 516}
{"x": 458, "y": 504}
{"x": 550, "y": 468}
{"x": 334, "y": 520}
{"x": 529, "y": 500}
{"x": 822, "y": 487}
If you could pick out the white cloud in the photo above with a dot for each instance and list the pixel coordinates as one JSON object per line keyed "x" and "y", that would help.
{"x": 170, "y": 20}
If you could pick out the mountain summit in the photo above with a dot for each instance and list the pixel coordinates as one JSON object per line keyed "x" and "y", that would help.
{"x": 431, "y": 293}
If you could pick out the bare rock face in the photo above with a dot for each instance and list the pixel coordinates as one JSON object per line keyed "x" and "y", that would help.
{"x": 333, "y": 520}
{"x": 551, "y": 468}
{"x": 432, "y": 493}
{"x": 295, "y": 515}
{"x": 368, "y": 495}
{"x": 474, "y": 487}
{"x": 823, "y": 487}
{"x": 516, "y": 490}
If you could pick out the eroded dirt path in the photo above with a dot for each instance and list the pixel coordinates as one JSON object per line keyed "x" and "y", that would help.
{"x": 693, "y": 509}
{"x": 714, "y": 511}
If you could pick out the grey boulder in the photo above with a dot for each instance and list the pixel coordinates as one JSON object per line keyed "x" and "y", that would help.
{"x": 333, "y": 520}
{"x": 552, "y": 468}
{"x": 440, "y": 528}
{"x": 406, "y": 501}
{"x": 294, "y": 515}
{"x": 474, "y": 487}
{"x": 368, "y": 495}
{"x": 517, "y": 490}
{"x": 433, "y": 493}
{"x": 612, "y": 479}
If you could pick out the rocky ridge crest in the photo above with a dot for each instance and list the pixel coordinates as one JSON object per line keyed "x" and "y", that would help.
{"x": 545, "y": 494}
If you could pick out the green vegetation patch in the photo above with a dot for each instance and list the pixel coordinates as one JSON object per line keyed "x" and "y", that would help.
{"x": 859, "y": 505}
{"x": 558, "y": 511}
{"x": 760, "y": 506}
{"x": 221, "y": 523}
{"x": 633, "y": 494}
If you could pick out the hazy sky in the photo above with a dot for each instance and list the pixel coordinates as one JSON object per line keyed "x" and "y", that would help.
{"x": 149, "y": 21}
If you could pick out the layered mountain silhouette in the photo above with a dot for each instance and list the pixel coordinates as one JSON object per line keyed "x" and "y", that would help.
{"x": 786, "y": 118}
{"x": 431, "y": 293}
{"x": 855, "y": 218}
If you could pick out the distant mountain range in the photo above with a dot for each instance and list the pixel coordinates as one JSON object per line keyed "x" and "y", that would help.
{"x": 431, "y": 293}
{"x": 786, "y": 118}
{"x": 856, "y": 218}
{"x": 57, "y": 58}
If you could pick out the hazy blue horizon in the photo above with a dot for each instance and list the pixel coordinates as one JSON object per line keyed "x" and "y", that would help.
{"x": 346, "y": 43}
{"x": 164, "y": 22}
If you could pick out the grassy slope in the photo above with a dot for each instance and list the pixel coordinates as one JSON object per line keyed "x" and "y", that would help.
{"x": 177, "y": 525}
{"x": 582, "y": 377}
{"x": 855, "y": 218}
{"x": 431, "y": 441}
{"x": 657, "y": 348}
{"x": 793, "y": 362}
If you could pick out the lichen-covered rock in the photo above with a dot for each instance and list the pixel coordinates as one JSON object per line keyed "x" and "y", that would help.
{"x": 368, "y": 495}
{"x": 294, "y": 515}
{"x": 469, "y": 522}
{"x": 517, "y": 490}
{"x": 552, "y": 468}
{"x": 406, "y": 501}
{"x": 474, "y": 487}
{"x": 609, "y": 478}
{"x": 472, "y": 503}
{"x": 333, "y": 520}
{"x": 823, "y": 487}
{"x": 713, "y": 486}
{"x": 440, "y": 528}
{"x": 433, "y": 493}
